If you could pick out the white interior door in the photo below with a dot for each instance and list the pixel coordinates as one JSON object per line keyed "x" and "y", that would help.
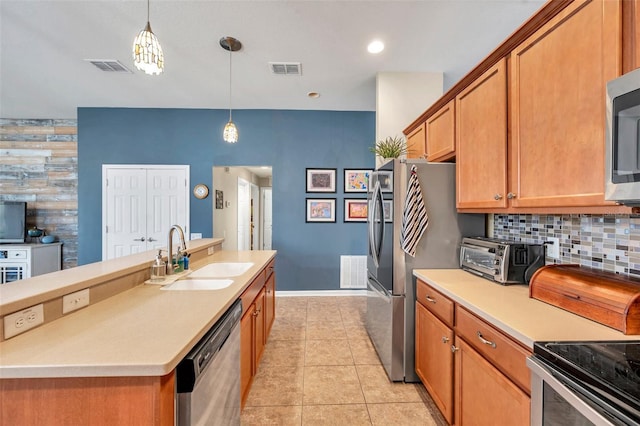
{"x": 167, "y": 203}
{"x": 254, "y": 217}
{"x": 125, "y": 230}
{"x": 140, "y": 203}
{"x": 244, "y": 214}
{"x": 266, "y": 218}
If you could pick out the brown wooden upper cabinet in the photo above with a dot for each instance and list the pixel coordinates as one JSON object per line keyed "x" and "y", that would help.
{"x": 558, "y": 82}
{"x": 440, "y": 133}
{"x": 416, "y": 143}
{"x": 481, "y": 133}
{"x": 526, "y": 126}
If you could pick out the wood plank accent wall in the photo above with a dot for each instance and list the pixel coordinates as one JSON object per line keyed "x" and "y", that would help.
{"x": 39, "y": 165}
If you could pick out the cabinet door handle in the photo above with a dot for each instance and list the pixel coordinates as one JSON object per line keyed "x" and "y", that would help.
{"x": 139, "y": 239}
{"x": 430, "y": 299}
{"x": 511, "y": 195}
{"x": 445, "y": 339}
{"x": 454, "y": 349}
{"x": 151, "y": 239}
{"x": 497, "y": 197}
{"x": 485, "y": 341}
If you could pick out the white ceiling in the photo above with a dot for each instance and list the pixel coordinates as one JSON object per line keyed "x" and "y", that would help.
{"x": 43, "y": 45}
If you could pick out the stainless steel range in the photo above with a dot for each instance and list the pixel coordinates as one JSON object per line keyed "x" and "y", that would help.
{"x": 585, "y": 383}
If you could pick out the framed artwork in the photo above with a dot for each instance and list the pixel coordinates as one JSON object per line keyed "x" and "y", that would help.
{"x": 219, "y": 199}
{"x": 356, "y": 180}
{"x": 355, "y": 210}
{"x": 321, "y": 209}
{"x": 321, "y": 180}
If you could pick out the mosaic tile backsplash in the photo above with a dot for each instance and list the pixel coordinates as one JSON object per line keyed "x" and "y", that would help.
{"x": 606, "y": 242}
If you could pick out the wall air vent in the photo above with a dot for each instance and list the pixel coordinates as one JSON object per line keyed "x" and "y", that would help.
{"x": 285, "y": 68}
{"x": 109, "y": 65}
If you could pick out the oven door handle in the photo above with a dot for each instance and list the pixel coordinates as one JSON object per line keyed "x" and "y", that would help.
{"x": 573, "y": 392}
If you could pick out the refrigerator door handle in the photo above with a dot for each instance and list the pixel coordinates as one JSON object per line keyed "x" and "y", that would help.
{"x": 377, "y": 211}
{"x": 379, "y": 290}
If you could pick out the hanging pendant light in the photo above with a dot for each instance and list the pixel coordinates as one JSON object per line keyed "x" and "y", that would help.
{"x": 147, "y": 52}
{"x": 230, "y": 133}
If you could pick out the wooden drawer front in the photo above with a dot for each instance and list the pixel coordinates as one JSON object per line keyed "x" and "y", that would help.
{"x": 269, "y": 269}
{"x": 251, "y": 292}
{"x": 439, "y": 304}
{"x": 508, "y": 356}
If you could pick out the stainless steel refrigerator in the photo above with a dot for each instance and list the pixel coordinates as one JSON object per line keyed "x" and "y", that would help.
{"x": 390, "y": 319}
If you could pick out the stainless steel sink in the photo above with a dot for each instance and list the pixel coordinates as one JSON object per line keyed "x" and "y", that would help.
{"x": 198, "y": 284}
{"x": 221, "y": 270}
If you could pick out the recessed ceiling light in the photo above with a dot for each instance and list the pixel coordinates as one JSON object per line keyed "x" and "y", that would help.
{"x": 313, "y": 95}
{"x": 376, "y": 46}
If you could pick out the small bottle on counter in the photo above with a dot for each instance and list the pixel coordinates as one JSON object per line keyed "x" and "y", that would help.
{"x": 178, "y": 260}
{"x": 158, "y": 269}
{"x": 185, "y": 261}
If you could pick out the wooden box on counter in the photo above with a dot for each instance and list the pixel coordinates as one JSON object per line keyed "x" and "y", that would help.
{"x": 604, "y": 297}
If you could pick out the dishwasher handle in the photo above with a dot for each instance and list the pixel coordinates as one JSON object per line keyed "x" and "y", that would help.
{"x": 198, "y": 359}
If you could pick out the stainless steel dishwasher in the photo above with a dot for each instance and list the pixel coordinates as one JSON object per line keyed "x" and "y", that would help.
{"x": 208, "y": 378}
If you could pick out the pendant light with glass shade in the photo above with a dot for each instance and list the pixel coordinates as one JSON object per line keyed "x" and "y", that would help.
{"x": 147, "y": 52}
{"x": 230, "y": 133}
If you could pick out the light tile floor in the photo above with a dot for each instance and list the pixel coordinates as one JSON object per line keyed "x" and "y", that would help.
{"x": 320, "y": 368}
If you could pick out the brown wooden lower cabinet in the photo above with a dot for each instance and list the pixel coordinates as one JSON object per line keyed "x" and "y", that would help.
{"x": 434, "y": 359}
{"x": 88, "y": 401}
{"x": 483, "y": 395}
{"x": 474, "y": 372}
{"x": 255, "y": 326}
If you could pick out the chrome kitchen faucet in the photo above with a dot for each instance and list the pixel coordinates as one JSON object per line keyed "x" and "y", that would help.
{"x": 171, "y": 267}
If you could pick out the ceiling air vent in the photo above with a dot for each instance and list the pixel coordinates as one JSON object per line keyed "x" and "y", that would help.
{"x": 285, "y": 68}
{"x": 109, "y": 65}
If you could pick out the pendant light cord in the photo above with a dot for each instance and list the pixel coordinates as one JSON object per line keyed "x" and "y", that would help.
{"x": 148, "y": 10}
{"x": 229, "y": 42}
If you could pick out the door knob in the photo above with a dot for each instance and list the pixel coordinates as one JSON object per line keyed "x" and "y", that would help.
{"x": 151, "y": 239}
{"x": 511, "y": 195}
{"x": 497, "y": 197}
{"x": 139, "y": 239}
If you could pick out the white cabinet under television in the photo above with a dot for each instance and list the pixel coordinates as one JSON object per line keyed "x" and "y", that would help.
{"x": 20, "y": 261}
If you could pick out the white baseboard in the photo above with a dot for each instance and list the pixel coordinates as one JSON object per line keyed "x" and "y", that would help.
{"x": 308, "y": 293}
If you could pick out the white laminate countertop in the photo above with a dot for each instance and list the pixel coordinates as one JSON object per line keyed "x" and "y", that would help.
{"x": 144, "y": 331}
{"x": 510, "y": 309}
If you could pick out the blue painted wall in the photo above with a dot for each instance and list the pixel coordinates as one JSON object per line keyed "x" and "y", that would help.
{"x": 290, "y": 141}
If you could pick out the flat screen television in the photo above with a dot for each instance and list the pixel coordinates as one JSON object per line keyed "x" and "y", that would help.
{"x": 13, "y": 221}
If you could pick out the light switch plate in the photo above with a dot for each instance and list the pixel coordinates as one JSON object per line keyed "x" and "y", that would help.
{"x": 553, "y": 250}
{"x": 73, "y": 301}
{"x": 196, "y": 235}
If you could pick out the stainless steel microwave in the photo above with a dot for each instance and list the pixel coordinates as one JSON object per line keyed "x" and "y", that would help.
{"x": 622, "y": 159}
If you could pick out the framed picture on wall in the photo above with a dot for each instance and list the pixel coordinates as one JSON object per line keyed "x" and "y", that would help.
{"x": 356, "y": 180}
{"x": 355, "y": 210}
{"x": 321, "y": 180}
{"x": 219, "y": 199}
{"x": 321, "y": 209}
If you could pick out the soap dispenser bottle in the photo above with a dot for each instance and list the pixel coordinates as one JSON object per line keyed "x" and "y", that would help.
{"x": 158, "y": 269}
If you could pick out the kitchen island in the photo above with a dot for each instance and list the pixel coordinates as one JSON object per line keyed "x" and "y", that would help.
{"x": 113, "y": 362}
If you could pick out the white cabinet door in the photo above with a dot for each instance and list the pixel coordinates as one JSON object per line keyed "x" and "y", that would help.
{"x": 140, "y": 203}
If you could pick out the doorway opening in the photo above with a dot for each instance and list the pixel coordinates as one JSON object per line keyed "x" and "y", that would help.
{"x": 242, "y": 213}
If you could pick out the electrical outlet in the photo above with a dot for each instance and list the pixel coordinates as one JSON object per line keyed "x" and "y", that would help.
{"x": 553, "y": 250}
{"x": 73, "y": 301}
{"x": 196, "y": 235}
{"x": 19, "y": 322}
{"x": 210, "y": 250}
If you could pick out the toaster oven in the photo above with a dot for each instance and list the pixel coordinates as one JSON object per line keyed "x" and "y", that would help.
{"x": 505, "y": 262}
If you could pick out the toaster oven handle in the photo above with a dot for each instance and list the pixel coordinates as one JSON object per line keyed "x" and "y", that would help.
{"x": 479, "y": 248}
